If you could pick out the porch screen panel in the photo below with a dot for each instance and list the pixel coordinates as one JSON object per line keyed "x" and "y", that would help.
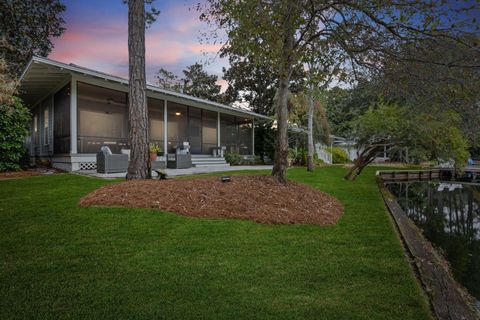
{"x": 61, "y": 121}
{"x": 244, "y": 136}
{"x": 156, "y": 121}
{"x": 229, "y": 133}
{"x": 177, "y": 125}
{"x": 195, "y": 129}
{"x": 102, "y": 118}
{"x": 209, "y": 131}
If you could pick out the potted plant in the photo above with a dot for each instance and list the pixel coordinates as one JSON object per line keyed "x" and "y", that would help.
{"x": 154, "y": 149}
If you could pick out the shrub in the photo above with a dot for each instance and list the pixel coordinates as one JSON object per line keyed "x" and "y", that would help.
{"x": 338, "y": 155}
{"x": 234, "y": 158}
{"x": 14, "y": 123}
{"x": 298, "y": 156}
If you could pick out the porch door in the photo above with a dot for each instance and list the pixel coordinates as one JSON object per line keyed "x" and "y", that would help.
{"x": 195, "y": 130}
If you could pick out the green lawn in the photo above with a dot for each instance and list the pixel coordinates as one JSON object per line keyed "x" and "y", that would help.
{"x": 61, "y": 261}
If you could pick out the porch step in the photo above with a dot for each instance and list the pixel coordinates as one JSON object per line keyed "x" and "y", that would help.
{"x": 215, "y": 165}
{"x": 207, "y": 160}
{"x": 203, "y": 156}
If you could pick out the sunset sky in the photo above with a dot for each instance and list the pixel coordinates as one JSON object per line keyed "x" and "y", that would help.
{"x": 96, "y": 37}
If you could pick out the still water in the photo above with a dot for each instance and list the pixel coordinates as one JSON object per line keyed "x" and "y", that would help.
{"x": 449, "y": 215}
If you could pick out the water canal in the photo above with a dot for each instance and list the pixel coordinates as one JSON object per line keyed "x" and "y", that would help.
{"x": 449, "y": 215}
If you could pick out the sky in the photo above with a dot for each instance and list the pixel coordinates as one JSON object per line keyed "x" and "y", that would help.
{"x": 97, "y": 33}
{"x": 96, "y": 38}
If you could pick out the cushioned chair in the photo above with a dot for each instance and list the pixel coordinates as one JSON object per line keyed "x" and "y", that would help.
{"x": 179, "y": 161}
{"x": 107, "y": 162}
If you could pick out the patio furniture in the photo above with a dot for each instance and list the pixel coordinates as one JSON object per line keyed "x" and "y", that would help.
{"x": 183, "y": 149}
{"x": 158, "y": 164}
{"x": 125, "y": 151}
{"x": 218, "y": 152}
{"x": 107, "y": 162}
{"x": 179, "y": 161}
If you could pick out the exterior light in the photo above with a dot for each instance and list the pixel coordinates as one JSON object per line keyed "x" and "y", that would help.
{"x": 178, "y": 114}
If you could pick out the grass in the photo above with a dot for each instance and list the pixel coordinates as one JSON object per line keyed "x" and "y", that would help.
{"x": 61, "y": 261}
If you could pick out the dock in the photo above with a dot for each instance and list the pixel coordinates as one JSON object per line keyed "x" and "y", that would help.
{"x": 469, "y": 172}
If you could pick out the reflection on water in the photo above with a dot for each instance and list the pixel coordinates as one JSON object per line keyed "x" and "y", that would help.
{"x": 449, "y": 214}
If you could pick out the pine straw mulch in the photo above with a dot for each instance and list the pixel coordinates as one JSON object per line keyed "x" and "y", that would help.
{"x": 32, "y": 172}
{"x": 249, "y": 197}
{"x": 18, "y": 174}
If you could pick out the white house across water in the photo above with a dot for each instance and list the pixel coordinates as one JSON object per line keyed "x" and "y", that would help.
{"x": 77, "y": 110}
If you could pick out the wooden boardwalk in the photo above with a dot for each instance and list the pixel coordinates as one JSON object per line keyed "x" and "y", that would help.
{"x": 428, "y": 174}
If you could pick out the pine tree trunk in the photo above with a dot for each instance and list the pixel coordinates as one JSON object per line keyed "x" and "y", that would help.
{"x": 280, "y": 164}
{"x": 139, "y": 166}
{"x": 281, "y": 146}
{"x": 311, "y": 109}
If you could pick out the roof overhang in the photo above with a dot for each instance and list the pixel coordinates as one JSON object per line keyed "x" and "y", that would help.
{"x": 38, "y": 80}
{"x": 43, "y": 77}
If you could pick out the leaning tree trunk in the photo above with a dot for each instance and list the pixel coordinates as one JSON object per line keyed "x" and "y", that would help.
{"x": 311, "y": 109}
{"x": 280, "y": 164}
{"x": 364, "y": 159}
{"x": 139, "y": 166}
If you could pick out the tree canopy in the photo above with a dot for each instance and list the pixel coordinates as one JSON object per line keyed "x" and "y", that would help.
{"x": 298, "y": 114}
{"x": 196, "y": 82}
{"x": 27, "y": 28}
{"x": 366, "y": 32}
{"x": 168, "y": 80}
{"x": 435, "y": 136}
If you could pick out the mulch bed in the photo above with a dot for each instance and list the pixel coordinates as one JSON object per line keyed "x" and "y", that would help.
{"x": 249, "y": 197}
{"x": 18, "y": 174}
{"x": 31, "y": 172}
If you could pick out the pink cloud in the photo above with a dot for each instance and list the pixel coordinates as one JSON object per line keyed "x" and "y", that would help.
{"x": 207, "y": 48}
{"x": 171, "y": 42}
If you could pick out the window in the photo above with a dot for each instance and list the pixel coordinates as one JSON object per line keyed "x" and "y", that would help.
{"x": 35, "y": 130}
{"x": 45, "y": 125}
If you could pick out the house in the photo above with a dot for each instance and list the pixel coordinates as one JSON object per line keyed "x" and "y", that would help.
{"x": 77, "y": 110}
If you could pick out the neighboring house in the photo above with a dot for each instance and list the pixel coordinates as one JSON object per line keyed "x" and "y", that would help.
{"x": 77, "y": 110}
{"x": 350, "y": 147}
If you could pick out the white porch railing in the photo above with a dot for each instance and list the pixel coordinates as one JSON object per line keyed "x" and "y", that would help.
{"x": 323, "y": 154}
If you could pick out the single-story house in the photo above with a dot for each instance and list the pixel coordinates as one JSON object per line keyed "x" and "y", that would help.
{"x": 77, "y": 110}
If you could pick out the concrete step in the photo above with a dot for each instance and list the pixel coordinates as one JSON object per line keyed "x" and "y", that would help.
{"x": 201, "y": 156}
{"x": 216, "y": 165}
{"x": 208, "y": 160}
{"x": 205, "y": 160}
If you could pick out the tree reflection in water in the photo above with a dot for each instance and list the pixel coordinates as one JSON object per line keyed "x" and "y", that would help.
{"x": 449, "y": 215}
